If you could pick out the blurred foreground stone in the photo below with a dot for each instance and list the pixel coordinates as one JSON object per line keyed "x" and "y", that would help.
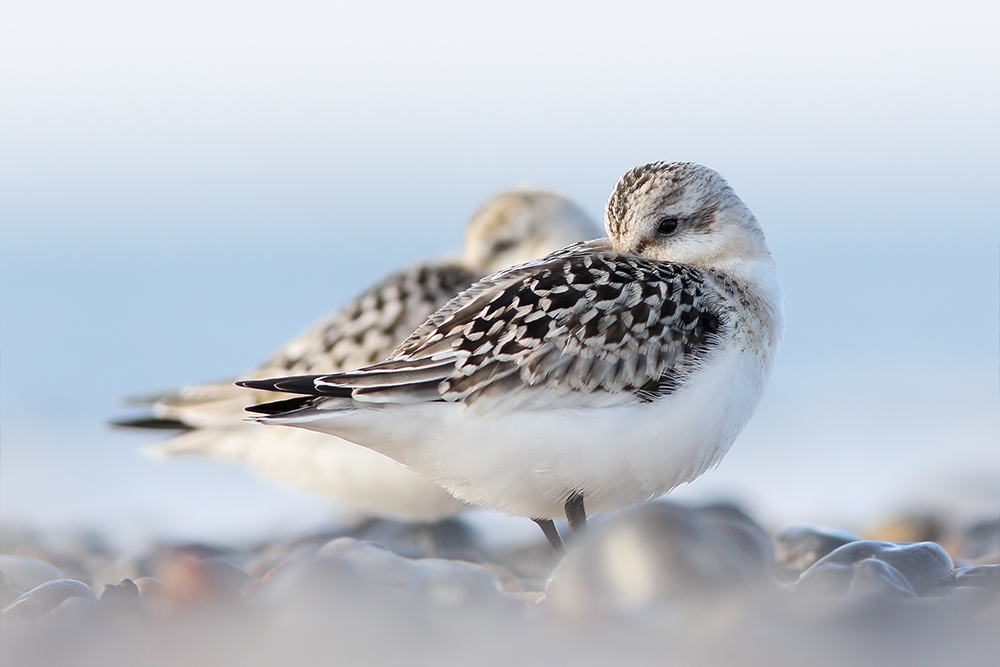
{"x": 663, "y": 583}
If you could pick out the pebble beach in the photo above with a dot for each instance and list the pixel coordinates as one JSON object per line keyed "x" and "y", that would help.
{"x": 663, "y": 583}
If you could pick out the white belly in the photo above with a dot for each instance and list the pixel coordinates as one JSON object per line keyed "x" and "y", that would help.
{"x": 342, "y": 471}
{"x": 528, "y": 462}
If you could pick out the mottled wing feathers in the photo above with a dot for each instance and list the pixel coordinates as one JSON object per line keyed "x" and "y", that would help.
{"x": 583, "y": 327}
{"x": 370, "y": 326}
{"x": 364, "y": 331}
{"x": 581, "y": 323}
{"x": 472, "y": 299}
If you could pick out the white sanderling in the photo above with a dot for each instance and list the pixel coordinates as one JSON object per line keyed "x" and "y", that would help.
{"x": 606, "y": 373}
{"x": 512, "y": 227}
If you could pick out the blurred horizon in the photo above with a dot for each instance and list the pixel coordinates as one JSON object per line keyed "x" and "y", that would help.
{"x": 184, "y": 186}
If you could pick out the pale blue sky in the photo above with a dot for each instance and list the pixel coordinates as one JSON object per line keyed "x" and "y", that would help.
{"x": 185, "y": 185}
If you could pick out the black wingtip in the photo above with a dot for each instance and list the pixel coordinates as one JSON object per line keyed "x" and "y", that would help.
{"x": 297, "y": 384}
{"x": 280, "y": 407}
{"x": 293, "y": 384}
{"x": 151, "y": 423}
{"x": 265, "y": 385}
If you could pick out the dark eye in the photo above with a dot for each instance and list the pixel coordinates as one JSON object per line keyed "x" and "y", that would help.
{"x": 667, "y": 226}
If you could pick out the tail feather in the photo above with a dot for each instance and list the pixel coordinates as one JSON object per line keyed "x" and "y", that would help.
{"x": 297, "y": 384}
{"x": 151, "y": 422}
{"x": 279, "y": 407}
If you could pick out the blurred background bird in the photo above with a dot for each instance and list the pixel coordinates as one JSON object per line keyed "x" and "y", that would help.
{"x": 509, "y": 228}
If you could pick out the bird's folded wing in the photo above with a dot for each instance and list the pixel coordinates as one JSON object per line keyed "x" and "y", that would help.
{"x": 582, "y": 327}
{"x": 364, "y": 331}
{"x": 370, "y": 326}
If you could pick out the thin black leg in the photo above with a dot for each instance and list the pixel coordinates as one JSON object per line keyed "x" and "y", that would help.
{"x": 551, "y": 534}
{"x": 576, "y": 514}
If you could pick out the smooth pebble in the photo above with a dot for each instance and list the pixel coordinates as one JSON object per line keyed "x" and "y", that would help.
{"x": 27, "y": 573}
{"x": 798, "y": 547}
{"x": 44, "y": 598}
{"x": 124, "y": 592}
{"x": 656, "y": 553}
{"x": 189, "y": 581}
{"x": 924, "y": 565}
{"x": 979, "y": 576}
{"x": 873, "y": 578}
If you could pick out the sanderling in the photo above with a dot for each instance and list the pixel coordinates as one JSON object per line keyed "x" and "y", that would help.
{"x": 605, "y": 374}
{"x": 513, "y": 227}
